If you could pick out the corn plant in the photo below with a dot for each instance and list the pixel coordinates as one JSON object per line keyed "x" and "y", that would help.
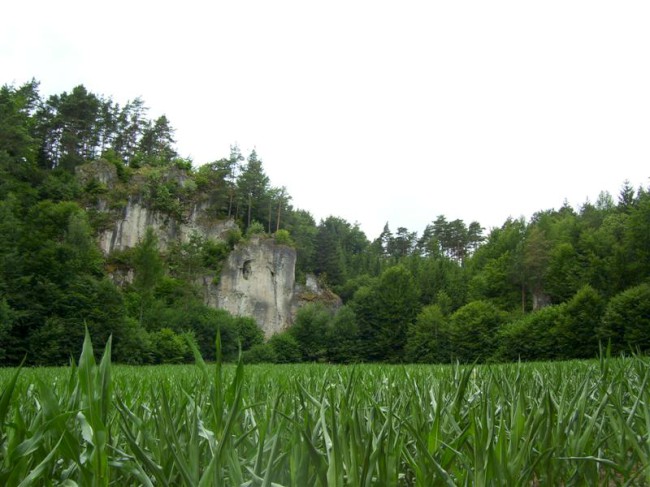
{"x": 570, "y": 423}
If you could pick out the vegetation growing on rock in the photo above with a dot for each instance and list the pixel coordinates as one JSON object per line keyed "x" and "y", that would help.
{"x": 72, "y": 165}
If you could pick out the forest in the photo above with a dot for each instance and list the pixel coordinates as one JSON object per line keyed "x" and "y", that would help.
{"x": 563, "y": 284}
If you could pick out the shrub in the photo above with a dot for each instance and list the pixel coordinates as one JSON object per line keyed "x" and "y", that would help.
{"x": 182, "y": 163}
{"x": 310, "y": 330}
{"x": 428, "y": 338}
{"x": 248, "y": 333}
{"x": 213, "y": 253}
{"x": 7, "y": 319}
{"x": 134, "y": 345}
{"x": 169, "y": 347}
{"x": 626, "y": 323}
{"x": 255, "y": 228}
{"x": 343, "y": 337}
{"x": 473, "y": 330}
{"x": 260, "y": 353}
{"x": 532, "y": 337}
{"x": 233, "y": 237}
{"x": 576, "y": 334}
{"x": 286, "y": 348}
{"x": 282, "y": 237}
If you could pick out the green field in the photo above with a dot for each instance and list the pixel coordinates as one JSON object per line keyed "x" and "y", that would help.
{"x": 569, "y": 423}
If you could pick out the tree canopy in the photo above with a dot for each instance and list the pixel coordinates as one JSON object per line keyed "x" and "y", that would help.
{"x": 554, "y": 286}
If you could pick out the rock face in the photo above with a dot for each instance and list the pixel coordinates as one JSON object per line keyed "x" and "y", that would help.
{"x": 131, "y": 227}
{"x": 313, "y": 292}
{"x": 257, "y": 280}
{"x": 101, "y": 171}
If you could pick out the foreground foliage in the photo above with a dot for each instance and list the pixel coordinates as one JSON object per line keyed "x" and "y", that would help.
{"x": 572, "y": 423}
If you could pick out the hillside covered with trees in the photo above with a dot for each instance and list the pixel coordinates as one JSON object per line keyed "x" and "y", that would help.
{"x": 552, "y": 287}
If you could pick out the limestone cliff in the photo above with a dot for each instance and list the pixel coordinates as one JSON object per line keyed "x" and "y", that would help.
{"x": 129, "y": 229}
{"x": 132, "y": 213}
{"x": 258, "y": 280}
{"x": 258, "y": 277}
{"x": 313, "y": 292}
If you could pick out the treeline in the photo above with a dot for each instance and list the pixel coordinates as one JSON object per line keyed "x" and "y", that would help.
{"x": 550, "y": 288}
{"x": 54, "y": 281}
{"x": 556, "y": 287}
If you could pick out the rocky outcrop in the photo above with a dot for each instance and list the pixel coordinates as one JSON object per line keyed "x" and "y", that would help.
{"x": 129, "y": 229}
{"x": 257, "y": 280}
{"x": 130, "y": 216}
{"x": 101, "y": 171}
{"x": 313, "y": 292}
{"x": 258, "y": 277}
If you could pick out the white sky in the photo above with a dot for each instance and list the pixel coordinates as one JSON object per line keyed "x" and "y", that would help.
{"x": 370, "y": 110}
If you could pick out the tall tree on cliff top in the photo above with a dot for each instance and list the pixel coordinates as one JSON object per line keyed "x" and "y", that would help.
{"x": 403, "y": 243}
{"x": 626, "y": 197}
{"x": 157, "y": 143}
{"x": 329, "y": 261}
{"x": 253, "y": 185}
{"x": 69, "y": 128}
{"x": 232, "y": 167}
{"x": 17, "y": 144}
{"x": 303, "y": 229}
{"x": 130, "y": 122}
{"x": 456, "y": 240}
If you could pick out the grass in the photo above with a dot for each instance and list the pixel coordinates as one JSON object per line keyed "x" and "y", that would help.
{"x": 570, "y": 423}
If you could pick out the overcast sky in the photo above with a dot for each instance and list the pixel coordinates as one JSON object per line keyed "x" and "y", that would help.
{"x": 369, "y": 110}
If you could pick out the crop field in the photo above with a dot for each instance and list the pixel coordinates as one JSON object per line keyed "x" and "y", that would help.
{"x": 569, "y": 423}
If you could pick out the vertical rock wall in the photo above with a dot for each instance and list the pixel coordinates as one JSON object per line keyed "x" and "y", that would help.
{"x": 257, "y": 280}
{"x": 131, "y": 227}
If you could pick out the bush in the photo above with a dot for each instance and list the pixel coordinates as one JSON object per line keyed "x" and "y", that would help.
{"x": 282, "y": 237}
{"x": 213, "y": 253}
{"x": 473, "y": 330}
{"x": 428, "y": 338}
{"x": 576, "y": 334}
{"x": 349, "y": 287}
{"x": 205, "y": 323}
{"x": 7, "y": 320}
{"x": 134, "y": 345}
{"x": 532, "y": 337}
{"x": 343, "y": 337}
{"x": 233, "y": 237}
{"x": 60, "y": 185}
{"x": 169, "y": 347}
{"x": 182, "y": 163}
{"x": 260, "y": 353}
{"x": 255, "y": 228}
{"x": 310, "y": 331}
{"x": 626, "y": 323}
{"x": 286, "y": 348}
{"x": 248, "y": 333}
{"x": 163, "y": 195}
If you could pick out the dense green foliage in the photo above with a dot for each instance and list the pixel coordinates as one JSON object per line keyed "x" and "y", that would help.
{"x": 553, "y": 287}
{"x": 562, "y": 423}
{"x": 53, "y": 277}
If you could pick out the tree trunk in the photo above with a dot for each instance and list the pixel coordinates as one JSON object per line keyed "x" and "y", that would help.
{"x": 277, "y": 222}
{"x": 250, "y": 204}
